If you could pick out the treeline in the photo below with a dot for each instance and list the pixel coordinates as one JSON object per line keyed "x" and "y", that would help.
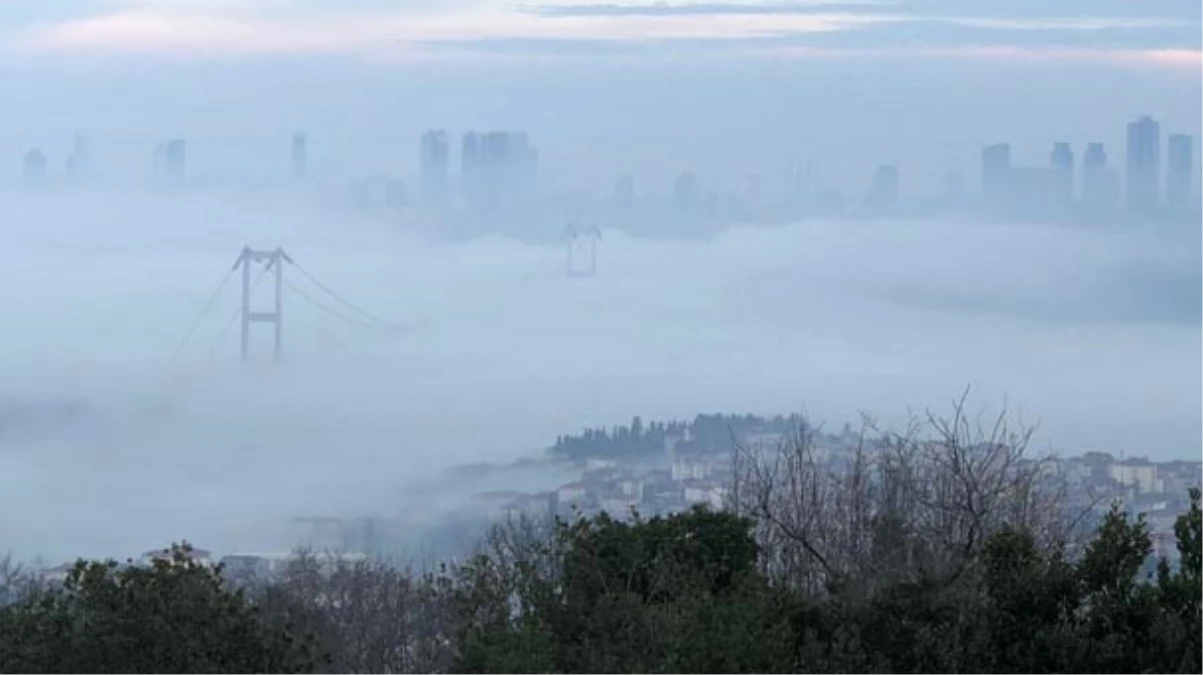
{"x": 707, "y": 433}
{"x": 946, "y": 548}
{"x": 684, "y": 593}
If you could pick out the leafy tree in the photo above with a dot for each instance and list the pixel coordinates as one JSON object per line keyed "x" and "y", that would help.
{"x": 174, "y": 616}
{"x": 676, "y": 593}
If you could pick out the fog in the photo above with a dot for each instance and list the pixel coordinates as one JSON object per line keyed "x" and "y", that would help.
{"x": 1094, "y": 333}
{"x": 746, "y": 288}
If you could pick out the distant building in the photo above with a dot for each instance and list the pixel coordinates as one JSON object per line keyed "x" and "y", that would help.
{"x": 686, "y": 190}
{"x": 1179, "y": 169}
{"x": 33, "y": 168}
{"x": 1144, "y": 164}
{"x": 803, "y": 182}
{"x": 170, "y": 160}
{"x": 996, "y": 172}
{"x": 1062, "y": 162}
{"x": 80, "y": 160}
{"x": 177, "y": 158}
{"x": 1138, "y": 474}
{"x": 299, "y": 160}
{"x": 434, "y": 165}
{"x": 884, "y": 192}
{"x": 1100, "y": 184}
{"x": 498, "y": 169}
{"x": 624, "y": 192}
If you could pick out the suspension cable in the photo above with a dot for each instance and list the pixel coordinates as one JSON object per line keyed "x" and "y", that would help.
{"x": 368, "y": 316}
{"x": 336, "y": 313}
{"x": 237, "y": 312}
{"x": 201, "y": 316}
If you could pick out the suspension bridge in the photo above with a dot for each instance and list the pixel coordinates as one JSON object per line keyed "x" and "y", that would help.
{"x": 254, "y": 267}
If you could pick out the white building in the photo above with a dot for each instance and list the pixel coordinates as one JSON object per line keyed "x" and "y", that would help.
{"x": 1138, "y": 474}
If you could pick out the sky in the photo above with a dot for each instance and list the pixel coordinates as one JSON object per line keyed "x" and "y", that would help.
{"x": 1096, "y": 333}
{"x": 724, "y": 88}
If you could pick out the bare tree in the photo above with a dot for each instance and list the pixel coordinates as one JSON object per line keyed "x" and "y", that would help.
{"x": 17, "y": 580}
{"x": 369, "y": 615}
{"x": 899, "y": 506}
{"x": 379, "y": 616}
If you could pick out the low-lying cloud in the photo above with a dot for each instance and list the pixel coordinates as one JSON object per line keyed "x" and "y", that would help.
{"x": 1096, "y": 333}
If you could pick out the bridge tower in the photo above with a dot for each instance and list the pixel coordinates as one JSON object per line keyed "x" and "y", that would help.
{"x": 582, "y": 250}
{"x": 269, "y": 261}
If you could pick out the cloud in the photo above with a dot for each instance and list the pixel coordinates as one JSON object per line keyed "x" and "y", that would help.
{"x": 233, "y": 28}
{"x": 156, "y": 31}
{"x": 504, "y": 353}
{"x": 1188, "y": 60}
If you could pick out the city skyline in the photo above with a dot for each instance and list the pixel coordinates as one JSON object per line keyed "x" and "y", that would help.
{"x": 498, "y": 169}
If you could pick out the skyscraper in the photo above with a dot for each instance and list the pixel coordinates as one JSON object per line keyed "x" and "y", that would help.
{"x": 624, "y": 192}
{"x": 803, "y": 181}
{"x": 33, "y": 168}
{"x": 686, "y": 190}
{"x": 1062, "y": 161}
{"x": 1144, "y": 164}
{"x": 884, "y": 193}
{"x": 470, "y": 169}
{"x": 434, "y": 165}
{"x": 996, "y": 171}
{"x": 1095, "y": 157}
{"x": 1179, "y": 167}
{"x": 176, "y": 156}
{"x": 79, "y": 161}
{"x": 499, "y": 169}
{"x": 1100, "y": 184}
{"x": 300, "y": 155}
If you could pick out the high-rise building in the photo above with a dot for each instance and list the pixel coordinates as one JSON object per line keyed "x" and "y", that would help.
{"x": 686, "y": 189}
{"x": 803, "y": 181}
{"x": 176, "y": 159}
{"x": 624, "y": 192}
{"x": 884, "y": 193}
{"x": 299, "y": 159}
{"x": 434, "y": 164}
{"x": 469, "y": 169}
{"x": 1100, "y": 184}
{"x": 1095, "y": 157}
{"x": 1062, "y": 161}
{"x": 498, "y": 169}
{"x": 170, "y": 163}
{"x": 33, "y": 168}
{"x": 79, "y": 161}
{"x": 1144, "y": 164}
{"x": 1179, "y": 167}
{"x": 996, "y": 171}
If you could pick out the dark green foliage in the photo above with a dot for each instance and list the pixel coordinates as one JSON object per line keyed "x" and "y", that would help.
{"x": 678, "y": 593}
{"x": 175, "y": 616}
{"x": 683, "y": 593}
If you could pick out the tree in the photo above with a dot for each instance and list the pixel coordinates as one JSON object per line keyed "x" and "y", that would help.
{"x": 368, "y": 615}
{"x": 908, "y": 507}
{"x": 679, "y": 593}
{"x": 174, "y": 616}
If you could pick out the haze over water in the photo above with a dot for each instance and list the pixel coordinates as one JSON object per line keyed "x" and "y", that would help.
{"x": 1095, "y": 333}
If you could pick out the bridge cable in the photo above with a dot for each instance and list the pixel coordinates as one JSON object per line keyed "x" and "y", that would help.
{"x": 237, "y": 313}
{"x": 196, "y": 323}
{"x": 366, "y": 315}
{"x": 336, "y": 313}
